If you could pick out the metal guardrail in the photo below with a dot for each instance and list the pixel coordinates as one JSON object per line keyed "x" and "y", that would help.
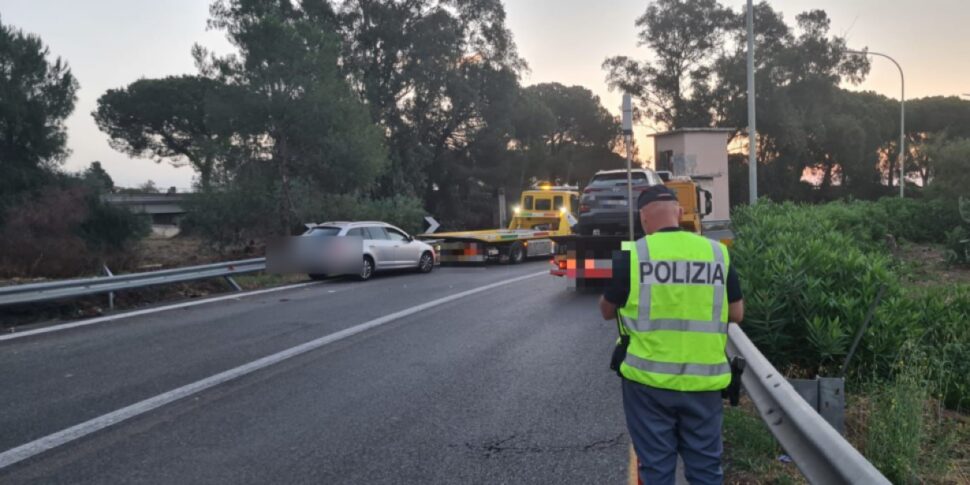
{"x": 821, "y": 453}
{"x": 66, "y": 289}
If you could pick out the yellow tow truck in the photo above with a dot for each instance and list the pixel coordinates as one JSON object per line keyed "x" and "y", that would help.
{"x": 545, "y": 211}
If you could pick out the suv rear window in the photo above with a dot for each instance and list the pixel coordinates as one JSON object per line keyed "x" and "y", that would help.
{"x": 324, "y": 231}
{"x": 611, "y": 178}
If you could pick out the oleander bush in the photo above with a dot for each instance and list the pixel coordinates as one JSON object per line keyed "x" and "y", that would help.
{"x": 807, "y": 282}
{"x": 811, "y": 273}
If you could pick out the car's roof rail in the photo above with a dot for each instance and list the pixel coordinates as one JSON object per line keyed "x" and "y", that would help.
{"x": 619, "y": 170}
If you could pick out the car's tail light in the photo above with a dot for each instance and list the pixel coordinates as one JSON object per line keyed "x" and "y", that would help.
{"x": 583, "y": 209}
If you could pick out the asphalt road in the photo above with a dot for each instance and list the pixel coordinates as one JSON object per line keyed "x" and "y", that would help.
{"x": 507, "y": 385}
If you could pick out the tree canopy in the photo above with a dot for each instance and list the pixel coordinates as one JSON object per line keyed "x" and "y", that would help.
{"x": 36, "y": 95}
{"x": 169, "y": 119}
{"x": 418, "y": 99}
{"x": 294, "y": 120}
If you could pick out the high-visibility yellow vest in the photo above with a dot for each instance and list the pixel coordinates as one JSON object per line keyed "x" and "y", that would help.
{"x": 677, "y": 312}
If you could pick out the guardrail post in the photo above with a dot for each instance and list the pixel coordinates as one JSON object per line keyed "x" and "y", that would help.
{"x": 111, "y": 295}
{"x": 826, "y": 395}
{"x": 233, "y": 283}
{"x": 820, "y": 452}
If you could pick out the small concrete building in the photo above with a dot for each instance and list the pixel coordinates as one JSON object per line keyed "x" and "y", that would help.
{"x": 700, "y": 153}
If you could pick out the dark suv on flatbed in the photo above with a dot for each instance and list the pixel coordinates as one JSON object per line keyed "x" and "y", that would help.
{"x": 603, "y": 206}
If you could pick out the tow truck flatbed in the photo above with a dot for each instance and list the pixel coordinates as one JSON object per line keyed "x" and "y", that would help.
{"x": 543, "y": 212}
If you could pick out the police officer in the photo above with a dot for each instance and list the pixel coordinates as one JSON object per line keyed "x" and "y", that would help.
{"x": 673, "y": 294}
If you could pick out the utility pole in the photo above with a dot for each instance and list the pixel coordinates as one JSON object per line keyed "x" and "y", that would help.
{"x": 902, "y": 121}
{"x": 752, "y": 131}
{"x": 628, "y": 138}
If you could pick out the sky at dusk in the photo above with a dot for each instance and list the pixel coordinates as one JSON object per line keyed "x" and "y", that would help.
{"x": 111, "y": 43}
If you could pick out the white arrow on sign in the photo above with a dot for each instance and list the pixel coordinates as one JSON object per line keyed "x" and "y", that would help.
{"x": 432, "y": 225}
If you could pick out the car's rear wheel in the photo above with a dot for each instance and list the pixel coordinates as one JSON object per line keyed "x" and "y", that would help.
{"x": 366, "y": 270}
{"x": 426, "y": 263}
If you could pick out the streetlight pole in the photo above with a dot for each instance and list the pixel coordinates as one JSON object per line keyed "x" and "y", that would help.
{"x": 902, "y": 120}
{"x": 752, "y": 132}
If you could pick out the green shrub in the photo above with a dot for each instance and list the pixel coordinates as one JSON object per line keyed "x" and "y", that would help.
{"x": 935, "y": 319}
{"x": 404, "y": 212}
{"x": 808, "y": 284}
{"x": 235, "y": 215}
{"x": 916, "y": 220}
{"x": 958, "y": 246}
{"x": 810, "y": 274}
{"x": 109, "y": 228}
{"x": 64, "y": 232}
{"x": 229, "y": 217}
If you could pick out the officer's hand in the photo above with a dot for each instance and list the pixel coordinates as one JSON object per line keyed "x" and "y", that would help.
{"x": 607, "y": 309}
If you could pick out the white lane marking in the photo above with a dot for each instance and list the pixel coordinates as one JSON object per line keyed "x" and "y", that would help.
{"x": 59, "y": 438}
{"x": 147, "y": 311}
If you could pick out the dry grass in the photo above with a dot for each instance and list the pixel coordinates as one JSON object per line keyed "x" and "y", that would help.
{"x": 751, "y": 454}
{"x": 926, "y": 266}
{"x": 151, "y": 254}
{"x": 750, "y": 459}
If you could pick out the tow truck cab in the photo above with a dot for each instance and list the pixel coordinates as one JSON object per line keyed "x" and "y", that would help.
{"x": 543, "y": 209}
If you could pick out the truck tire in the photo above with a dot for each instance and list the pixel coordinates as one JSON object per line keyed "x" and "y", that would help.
{"x": 516, "y": 253}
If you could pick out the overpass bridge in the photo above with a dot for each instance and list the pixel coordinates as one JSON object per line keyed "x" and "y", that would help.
{"x": 164, "y": 209}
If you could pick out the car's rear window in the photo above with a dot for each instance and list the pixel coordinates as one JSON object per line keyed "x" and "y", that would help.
{"x": 612, "y": 178}
{"x": 324, "y": 231}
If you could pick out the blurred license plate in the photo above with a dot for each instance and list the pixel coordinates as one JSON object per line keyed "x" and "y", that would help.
{"x": 315, "y": 255}
{"x": 615, "y": 202}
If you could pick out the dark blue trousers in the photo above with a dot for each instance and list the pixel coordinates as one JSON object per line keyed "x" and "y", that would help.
{"x": 663, "y": 424}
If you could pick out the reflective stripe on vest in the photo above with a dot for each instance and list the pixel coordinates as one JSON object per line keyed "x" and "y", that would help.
{"x": 685, "y": 354}
{"x": 677, "y": 369}
{"x": 703, "y": 326}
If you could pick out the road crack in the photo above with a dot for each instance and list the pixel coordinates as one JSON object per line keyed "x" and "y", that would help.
{"x": 500, "y": 446}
